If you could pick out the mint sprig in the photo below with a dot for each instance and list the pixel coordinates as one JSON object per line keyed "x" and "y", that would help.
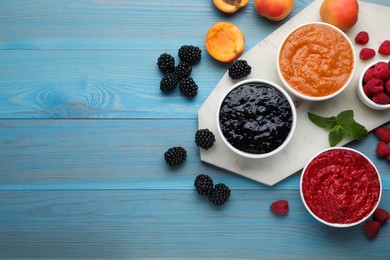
{"x": 340, "y": 126}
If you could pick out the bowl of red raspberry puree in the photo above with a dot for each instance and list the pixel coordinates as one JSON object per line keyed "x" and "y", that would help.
{"x": 340, "y": 187}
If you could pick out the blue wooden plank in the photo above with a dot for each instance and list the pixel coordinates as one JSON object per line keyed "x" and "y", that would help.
{"x": 173, "y": 223}
{"x": 97, "y": 84}
{"x": 100, "y": 188}
{"x": 130, "y": 24}
{"x": 119, "y": 82}
{"x": 117, "y": 154}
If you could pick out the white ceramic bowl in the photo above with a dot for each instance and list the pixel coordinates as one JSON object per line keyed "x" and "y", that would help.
{"x": 310, "y": 65}
{"x": 327, "y": 188}
{"x": 363, "y": 97}
{"x": 286, "y": 140}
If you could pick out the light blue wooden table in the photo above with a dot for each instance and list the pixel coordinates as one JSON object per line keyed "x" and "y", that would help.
{"x": 84, "y": 127}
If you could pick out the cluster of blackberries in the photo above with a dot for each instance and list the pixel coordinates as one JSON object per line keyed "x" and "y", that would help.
{"x": 180, "y": 74}
{"x": 217, "y": 194}
{"x": 174, "y": 156}
{"x": 239, "y": 69}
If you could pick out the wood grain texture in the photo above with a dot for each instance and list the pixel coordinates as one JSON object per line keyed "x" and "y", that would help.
{"x": 97, "y": 59}
{"x": 83, "y": 129}
{"x": 96, "y": 84}
{"x": 124, "y": 24}
{"x": 129, "y": 24}
{"x": 173, "y": 224}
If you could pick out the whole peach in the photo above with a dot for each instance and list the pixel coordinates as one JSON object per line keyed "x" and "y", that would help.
{"x": 340, "y": 13}
{"x": 274, "y": 10}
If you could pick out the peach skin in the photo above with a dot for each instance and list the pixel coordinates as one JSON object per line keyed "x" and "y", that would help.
{"x": 340, "y": 13}
{"x": 274, "y": 10}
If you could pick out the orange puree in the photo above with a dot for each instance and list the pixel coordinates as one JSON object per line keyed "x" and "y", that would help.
{"x": 316, "y": 60}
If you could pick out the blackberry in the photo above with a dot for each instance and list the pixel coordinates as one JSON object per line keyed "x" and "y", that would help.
{"x": 169, "y": 81}
{"x": 188, "y": 87}
{"x": 239, "y": 69}
{"x": 190, "y": 54}
{"x": 175, "y": 156}
{"x": 203, "y": 184}
{"x": 183, "y": 70}
{"x": 219, "y": 195}
{"x": 204, "y": 138}
{"x": 166, "y": 62}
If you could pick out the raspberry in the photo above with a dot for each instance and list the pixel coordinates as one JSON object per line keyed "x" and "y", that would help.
{"x": 367, "y": 53}
{"x": 381, "y": 71}
{"x": 375, "y": 85}
{"x": 384, "y": 48}
{"x": 383, "y": 134}
{"x": 367, "y": 91}
{"x": 362, "y": 38}
{"x": 372, "y": 228}
{"x": 387, "y": 86}
{"x": 381, "y": 98}
{"x": 368, "y": 75}
{"x": 382, "y": 149}
{"x": 279, "y": 207}
{"x": 381, "y": 215}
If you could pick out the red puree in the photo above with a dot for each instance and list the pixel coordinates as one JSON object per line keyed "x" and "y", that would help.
{"x": 340, "y": 186}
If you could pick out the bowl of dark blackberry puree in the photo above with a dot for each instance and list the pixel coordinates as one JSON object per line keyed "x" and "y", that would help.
{"x": 256, "y": 118}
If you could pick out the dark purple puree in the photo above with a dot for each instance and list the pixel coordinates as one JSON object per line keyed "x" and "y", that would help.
{"x": 255, "y": 118}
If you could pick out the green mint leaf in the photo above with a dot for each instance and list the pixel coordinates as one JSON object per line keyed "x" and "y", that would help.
{"x": 323, "y": 122}
{"x": 355, "y": 131}
{"x": 345, "y": 118}
{"x": 343, "y": 124}
{"x": 336, "y": 135}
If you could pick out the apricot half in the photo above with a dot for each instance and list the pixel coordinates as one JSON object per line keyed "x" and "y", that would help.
{"x": 225, "y": 41}
{"x": 230, "y": 6}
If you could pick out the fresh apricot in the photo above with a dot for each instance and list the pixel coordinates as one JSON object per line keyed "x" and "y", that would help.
{"x": 340, "y": 13}
{"x": 230, "y": 6}
{"x": 225, "y": 41}
{"x": 274, "y": 10}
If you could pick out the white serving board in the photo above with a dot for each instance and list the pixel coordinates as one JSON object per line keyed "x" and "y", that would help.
{"x": 308, "y": 139}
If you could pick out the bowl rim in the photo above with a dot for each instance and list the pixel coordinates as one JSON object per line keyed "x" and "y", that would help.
{"x": 339, "y": 225}
{"x": 289, "y": 136}
{"x": 306, "y": 97}
{"x": 363, "y": 97}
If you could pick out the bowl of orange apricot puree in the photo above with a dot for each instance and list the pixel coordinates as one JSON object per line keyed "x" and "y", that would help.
{"x": 316, "y": 61}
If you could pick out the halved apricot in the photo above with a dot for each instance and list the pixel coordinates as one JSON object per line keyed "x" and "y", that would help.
{"x": 230, "y": 6}
{"x": 225, "y": 41}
